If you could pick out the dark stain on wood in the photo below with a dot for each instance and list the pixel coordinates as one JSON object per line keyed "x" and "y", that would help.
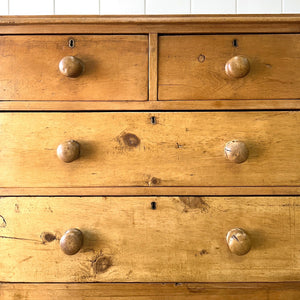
{"x": 131, "y": 140}
{"x": 203, "y": 252}
{"x": 101, "y": 264}
{"x": 194, "y": 203}
{"x": 48, "y": 237}
{"x": 154, "y": 181}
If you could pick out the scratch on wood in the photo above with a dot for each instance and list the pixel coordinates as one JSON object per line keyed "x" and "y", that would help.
{"x": 17, "y": 208}
{"x": 17, "y": 238}
{"x": 25, "y": 259}
{"x": 3, "y": 223}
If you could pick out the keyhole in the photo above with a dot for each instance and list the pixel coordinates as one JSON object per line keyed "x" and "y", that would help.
{"x": 153, "y": 120}
{"x": 235, "y": 43}
{"x": 71, "y": 43}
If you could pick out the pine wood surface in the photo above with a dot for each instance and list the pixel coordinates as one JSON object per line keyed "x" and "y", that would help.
{"x": 193, "y": 67}
{"x": 181, "y": 149}
{"x": 157, "y": 291}
{"x": 116, "y": 67}
{"x": 155, "y": 24}
{"x": 125, "y": 240}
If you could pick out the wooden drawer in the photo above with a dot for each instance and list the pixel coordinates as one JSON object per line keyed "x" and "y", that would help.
{"x": 192, "y": 67}
{"x": 149, "y": 149}
{"x": 115, "y": 67}
{"x": 125, "y": 240}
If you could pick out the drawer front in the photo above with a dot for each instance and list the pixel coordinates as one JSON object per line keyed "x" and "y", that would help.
{"x": 114, "y": 67}
{"x": 128, "y": 150}
{"x": 193, "y": 67}
{"x": 126, "y": 240}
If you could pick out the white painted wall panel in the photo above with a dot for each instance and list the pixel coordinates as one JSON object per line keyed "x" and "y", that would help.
{"x": 258, "y": 6}
{"x": 31, "y": 7}
{"x": 291, "y": 6}
{"x": 122, "y": 7}
{"x": 213, "y": 6}
{"x": 76, "y": 7}
{"x": 168, "y": 7}
{"x": 4, "y": 7}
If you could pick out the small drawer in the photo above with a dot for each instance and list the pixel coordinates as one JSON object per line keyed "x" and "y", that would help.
{"x": 149, "y": 239}
{"x": 77, "y": 67}
{"x": 254, "y": 66}
{"x": 178, "y": 149}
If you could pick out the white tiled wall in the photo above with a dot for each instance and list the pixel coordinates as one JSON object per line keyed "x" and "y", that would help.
{"x": 120, "y": 7}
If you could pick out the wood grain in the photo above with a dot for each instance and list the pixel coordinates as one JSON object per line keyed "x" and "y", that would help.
{"x": 116, "y": 67}
{"x": 154, "y": 291}
{"x": 149, "y": 105}
{"x": 153, "y": 51}
{"x": 274, "y": 67}
{"x": 125, "y": 240}
{"x": 145, "y": 24}
{"x": 182, "y": 149}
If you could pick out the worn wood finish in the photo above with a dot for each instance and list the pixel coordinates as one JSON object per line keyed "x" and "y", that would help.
{"x": 193, "y": 67}
{"x": 126, "y": 240}
{"x": 154, "y": 291}
{"x": 116, "y": 67}
{"x": 152, "y": 190}
{"x": 155, "y": 24}
{"x": 149, "y": 105}
{"x": 180, "y": 148}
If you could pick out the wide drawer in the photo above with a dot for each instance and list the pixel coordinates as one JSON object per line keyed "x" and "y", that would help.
{"x": 192, "y": 67}
{"x": 115, "y": 67}
{"x": 149, "y": 149}
{"x": 149, "y": 239}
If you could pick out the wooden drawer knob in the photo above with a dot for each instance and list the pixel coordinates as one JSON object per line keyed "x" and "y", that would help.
{"x": 237, "y": 67}
{"x": 71, "y": 242}
{"x": 238, "y": 241}
{"x": 68, "y": 151}
{"x": 71, "y": 66}
{"x": 236, "y": 151}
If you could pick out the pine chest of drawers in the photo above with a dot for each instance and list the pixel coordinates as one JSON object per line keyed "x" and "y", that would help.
{"x": 163, "y": 152}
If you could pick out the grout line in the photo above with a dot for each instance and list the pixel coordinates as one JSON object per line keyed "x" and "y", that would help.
{"x": 99, "y": 7}
{"x": 53, "y": 7}
{"x": 236, "y": 6}
{"x": 145, "y": 7}
{"x": 8, "y": 8}
{"x": 282, "y": 6}
{"x": 191, "y": 6}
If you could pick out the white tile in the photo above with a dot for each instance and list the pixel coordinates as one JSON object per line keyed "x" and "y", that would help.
{"x": 122, "y": 7}
{"x": 3, "y": 7}
{"x": 291, "y": 6}
{"x": 213, "y": 6}
{"x": 167, "y": 7}
{"x": 76, "y": 7}
{"x": 258, "y": 6}
{"x": 30, "y": 7}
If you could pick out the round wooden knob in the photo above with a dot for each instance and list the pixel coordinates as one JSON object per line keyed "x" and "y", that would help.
{"x": 236, "y": 151}
{"x": 71, "y": 66}
{"x": 71, "y": 242}
{"x": 237, "y": 67}
{"x": 68, "y": 151}
{"x": 238, "y": 241}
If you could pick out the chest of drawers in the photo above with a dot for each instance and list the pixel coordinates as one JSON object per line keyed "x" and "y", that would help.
{"x": 150, "y": 157}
